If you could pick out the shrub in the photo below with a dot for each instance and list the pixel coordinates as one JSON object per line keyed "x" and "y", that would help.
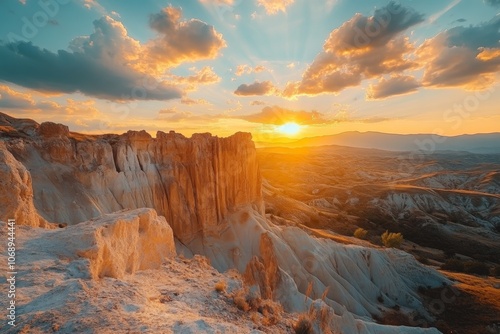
{"x": 453, "y": 265}
{"x": 478, "y": 268}
{"x": 240, "y": 300}
{"x": 496, "y": 271}
{"x": 469, "y": 267}
{"x": 271, "y": 312}
{"x": 303, "y": 325}
{"x": 220, "y": 286}
{"x": 393, "y": 240}
{"x": 360, "y": 233}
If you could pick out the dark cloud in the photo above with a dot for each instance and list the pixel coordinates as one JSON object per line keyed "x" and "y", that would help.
{"x": 278, "y": 116}
{"x": 362, "y": 48}
{"x": 109, "y": 64}
{"x": 63, "y": 72}
{"x": 257, "y": 88}
{"x": 397, "y": 85}
{"x": 462, "y": 56}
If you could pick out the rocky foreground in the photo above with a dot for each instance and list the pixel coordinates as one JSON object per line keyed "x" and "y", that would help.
{"x": 106, "y": 260}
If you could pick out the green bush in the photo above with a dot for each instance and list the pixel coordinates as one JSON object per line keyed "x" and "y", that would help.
{"x": 360, "y": 233}
{"x": 393, "y": 240}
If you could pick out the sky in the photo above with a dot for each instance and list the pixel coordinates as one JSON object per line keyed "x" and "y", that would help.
{"x": 275, "y": 68}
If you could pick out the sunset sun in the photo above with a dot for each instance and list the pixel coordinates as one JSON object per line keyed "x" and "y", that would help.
{"x": 289, "y": 128}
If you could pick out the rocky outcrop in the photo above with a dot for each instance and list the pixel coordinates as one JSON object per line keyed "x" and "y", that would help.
{"x": 16, "y": 196}
{"x": 117, "y": 244}
{"x": 194, "y": 182}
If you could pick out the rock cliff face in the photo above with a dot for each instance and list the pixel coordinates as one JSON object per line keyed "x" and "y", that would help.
{"x": 194, "y": 182}
{"x": 16, "y": 196}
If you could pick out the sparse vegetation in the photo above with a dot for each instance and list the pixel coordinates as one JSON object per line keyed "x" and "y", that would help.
{"x": 468, "y": 267}
{"x": 478, "y": 268}
{"x": 240, "y": 300}
{"x": 303, "y": 325}
{"x": 246, "y": 301}
{"x": 453, "y": 265}
{"x": 360, "y": 233}
{"x": 220, "y": 286}
{"x": 393, "y": 240}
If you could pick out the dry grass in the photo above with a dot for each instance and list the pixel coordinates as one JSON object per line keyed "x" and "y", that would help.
{"x": 304, "y": 325}
{"x": 477, "y": 304}
{"x": 220, "y": 286}
{"x": 240, "y": 300}
{"x": 360, "y": 233}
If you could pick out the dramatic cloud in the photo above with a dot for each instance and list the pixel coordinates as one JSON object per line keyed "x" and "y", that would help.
{"x": 466, "y": 57}
{"x": 278, "y": 116}
{"x": 109, "y": 64}
{"x": 397, "y": 85}
{"x": 181, "y": 41}
{"x": 63, "y": 72}
{"x": 257, "y": 88}
{"x": 362, "y": 48}
{"x": 275, "y": 6}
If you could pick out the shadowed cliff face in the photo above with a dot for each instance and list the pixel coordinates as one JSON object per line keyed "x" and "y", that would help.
{"x": 194, "y": 182}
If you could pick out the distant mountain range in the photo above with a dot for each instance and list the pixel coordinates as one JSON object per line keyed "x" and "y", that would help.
{"x": 429, "y": 143}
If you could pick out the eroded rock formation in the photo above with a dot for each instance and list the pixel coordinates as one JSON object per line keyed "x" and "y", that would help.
{"x": 194, "y": 182}
{"x": 117, "y": 244}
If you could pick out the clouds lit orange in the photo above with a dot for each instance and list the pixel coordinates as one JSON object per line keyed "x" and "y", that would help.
{"x": 334, "y": 66}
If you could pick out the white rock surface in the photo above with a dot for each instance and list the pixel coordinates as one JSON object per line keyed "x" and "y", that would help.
{"x": 16, "y": 194}
{"x": 116, "y": 244}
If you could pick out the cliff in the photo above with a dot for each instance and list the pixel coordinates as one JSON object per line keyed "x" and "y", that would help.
{"x": 194, "y": 182}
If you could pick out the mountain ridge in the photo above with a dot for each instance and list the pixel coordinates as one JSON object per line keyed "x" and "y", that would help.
{"x": 488, "y": 143}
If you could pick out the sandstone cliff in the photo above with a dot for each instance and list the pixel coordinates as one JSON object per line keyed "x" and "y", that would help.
{"x": 194, "y": 182}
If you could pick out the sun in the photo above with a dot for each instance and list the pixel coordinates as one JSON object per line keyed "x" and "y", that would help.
{"x": 289, "y": 128}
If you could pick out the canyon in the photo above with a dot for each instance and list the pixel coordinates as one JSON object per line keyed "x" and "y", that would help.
{"x": 99, "y": 214}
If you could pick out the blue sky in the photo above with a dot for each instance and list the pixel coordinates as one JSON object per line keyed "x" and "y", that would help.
{"x": 232, "y": 65}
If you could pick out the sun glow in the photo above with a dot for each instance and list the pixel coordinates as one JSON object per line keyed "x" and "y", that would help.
{"x": 289, "y": 128}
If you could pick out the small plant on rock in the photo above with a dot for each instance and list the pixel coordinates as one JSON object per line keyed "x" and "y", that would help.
{"x": 393, "y": 240}
{"x": 220, "y": 286}
{"x": 360, "y": 233}
{"x": 304, "y": 325}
